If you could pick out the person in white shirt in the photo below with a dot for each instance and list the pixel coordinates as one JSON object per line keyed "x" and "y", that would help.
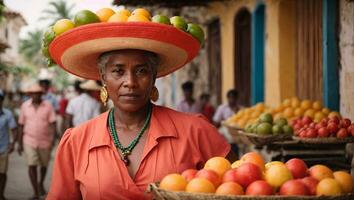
{"x": 225, "y": 111}
{"x": 82, "y": 107}
{"x": 188, "y": 104}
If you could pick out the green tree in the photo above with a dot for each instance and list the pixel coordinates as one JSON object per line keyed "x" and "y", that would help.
{"x": 30, "y": 48}
{"x": 57, "y": 10}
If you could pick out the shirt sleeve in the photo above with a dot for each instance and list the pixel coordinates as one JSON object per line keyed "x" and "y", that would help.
{"x": 21, "y": 118}
{"x": 12, "y": 121}
{"x": 64, "y": 186}
{"x": 218, "y": 115}
{"x": 211, "y": 142}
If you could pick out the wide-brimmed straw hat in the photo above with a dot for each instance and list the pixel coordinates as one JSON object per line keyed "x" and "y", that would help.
{"x": 35, "y": 88}
{"x": 90, "y": 85}
{"x": 78, "y": 49}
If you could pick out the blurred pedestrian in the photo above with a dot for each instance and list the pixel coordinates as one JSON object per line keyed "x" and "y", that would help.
{"x": 207, "y": 109}
{"x": 225, "y": 111}
{"x": 47, "y": 94}
{"x": 63, "y": 103}
{"x": 82, "y": 107}
{"x": 37, "y": 129}
{"x": 188, "y": 104}
{"x": 7, "y": 124}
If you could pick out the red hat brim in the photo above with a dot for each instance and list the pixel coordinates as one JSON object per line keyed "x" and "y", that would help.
{"x": 78, "y": 49}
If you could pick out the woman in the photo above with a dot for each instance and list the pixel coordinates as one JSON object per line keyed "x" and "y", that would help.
{"x": 117, "y": 154}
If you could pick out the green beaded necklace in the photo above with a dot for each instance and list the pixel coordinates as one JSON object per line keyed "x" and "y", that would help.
{"x": 126, "y": 151}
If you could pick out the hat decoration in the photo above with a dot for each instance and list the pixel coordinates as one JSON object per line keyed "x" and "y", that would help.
{"x": 76, "y": 44}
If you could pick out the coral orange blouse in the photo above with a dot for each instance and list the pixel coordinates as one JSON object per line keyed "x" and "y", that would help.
{"x": 88, "y": 166}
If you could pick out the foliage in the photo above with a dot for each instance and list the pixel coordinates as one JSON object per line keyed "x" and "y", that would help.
{"x": 30, "y": 47}
{"x": 16, "y": 70}
{"x": 2, "y": 9}
{"x": 57, "y": 10}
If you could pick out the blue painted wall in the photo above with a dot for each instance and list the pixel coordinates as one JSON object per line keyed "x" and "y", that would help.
{"x": 257, "y": 54}
{"x": 330, "y": 55}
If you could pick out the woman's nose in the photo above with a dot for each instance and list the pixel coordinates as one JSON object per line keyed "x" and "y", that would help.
{"x": 130, "y": 80}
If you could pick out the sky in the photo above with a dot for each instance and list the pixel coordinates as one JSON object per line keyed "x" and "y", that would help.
{"x": 31, "y": 10}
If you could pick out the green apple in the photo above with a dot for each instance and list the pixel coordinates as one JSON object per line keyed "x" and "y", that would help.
{"x": 196, "y": 31}
{"x": 85, "y": 17}
{"x": 179, "y": 22}
{"x": 162, "y": 19}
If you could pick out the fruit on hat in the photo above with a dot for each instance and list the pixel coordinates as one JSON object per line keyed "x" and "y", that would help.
{"x": 62, "y": 26}
{"x": 85, "y": 17}
{"x": 196, "y": 31}
{"x": 141, "y": 11}
{"x": 124, "y": 11}
{"x": 48, "y": 36}
{"x": 162, "y": 19}
{"x": 45, "y": 51}
{"x": 138, "y": 18}
{"x": 104, "y": 14}
{"x": 179, "y": 22}
{"x": 118, "y": 17}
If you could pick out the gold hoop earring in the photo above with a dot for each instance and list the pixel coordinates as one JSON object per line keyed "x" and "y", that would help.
{"x": 104, "y": 95}
{"x": 154, "y": 94}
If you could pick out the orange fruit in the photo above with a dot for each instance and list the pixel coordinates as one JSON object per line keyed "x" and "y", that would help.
{"x": 345, "y": 181}
{"x": 62, "y": 26}
{"x": 229, "y": 188}
{"x": 295, "y": 102}
{"x": 333, "y": 114}
{"x": 328, "y": 187}
{"x": 319, "y": 115}
{"x": 236, "y": 164}
{"x": 306, "y": 104}
{"x": 104, "y": 14}
{"x": 326, "y": 111}
{"x": 173, "y": 182}
{"x": 287, "y": 103}
{"x": 260, "y": 107}
{"x": 138, "y": 18}
{"x": 124, "y": 11}
{"x": 200, "y": 185}
{"x": 276, "y": 174}
{"x": 317, "y": 105}
{"x": 278, "y": 116}
{"x": 254, "y": 158}
{"x": 142, "y": 11}
{"x": 288, "y": 112}
{"x": 310, "y": 113}
{"x": 219, "y": 164}
{"x": 118, "y": 17}
{"x": 299, "y": 112}
{"x": 320, "y": 172}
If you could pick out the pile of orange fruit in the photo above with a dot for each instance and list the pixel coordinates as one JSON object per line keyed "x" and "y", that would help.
{"x": 252, "y": 176}
{"x": 108, "y": 15}
{"x": 247, "y": 116}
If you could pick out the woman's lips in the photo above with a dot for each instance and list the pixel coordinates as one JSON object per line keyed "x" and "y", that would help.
{"x": 130, "y": 96}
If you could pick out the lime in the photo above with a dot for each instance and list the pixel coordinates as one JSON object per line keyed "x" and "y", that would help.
{"x": 288, "y": 129}
{"x": 48, "y": 36}
{"x": 45, "y": 51}
{"x": 62, "y": 26}
{"x": 277, "y": 129}
{"x": 196, "y": 31}
{"x": 264, "y": 128}
{"x": 281, "y": 121}
{"x": 248, "y": 128}
{"x": 266, "y": 117}
{"x": 85, "y": 17}
{"x": 179, "y": 22}
{"x": 161, "y": 19}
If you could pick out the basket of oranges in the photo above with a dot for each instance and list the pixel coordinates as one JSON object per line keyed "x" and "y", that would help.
{"x": 252, "y": 178}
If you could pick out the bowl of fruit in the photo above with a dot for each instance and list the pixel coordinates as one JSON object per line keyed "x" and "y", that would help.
{"x": 266, "y": 130}
{"x": 252, "y": 178}
{"x": 332, "y": 130}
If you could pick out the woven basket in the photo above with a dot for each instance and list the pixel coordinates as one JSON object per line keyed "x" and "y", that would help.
{"x": 328, "y": 140}
{"x": 160, "y": 194}
{"x": 260, "y": 140}
{"x": 234, "y": 132}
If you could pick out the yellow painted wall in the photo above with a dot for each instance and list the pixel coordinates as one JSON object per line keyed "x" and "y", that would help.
{"x": 279, "y": 46}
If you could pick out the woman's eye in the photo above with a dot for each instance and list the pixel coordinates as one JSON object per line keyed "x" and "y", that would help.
{"x": 118, "y": 71}
{"x": 142, "y": 70}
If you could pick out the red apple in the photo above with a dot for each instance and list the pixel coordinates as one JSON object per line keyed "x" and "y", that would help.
{"x": 351, "y": 129}
{"x": 210, "y": 175}
{"x": 229, "y": 176}
{"x": 259, "y": 188}
{"x": 297, "y": 167}
{"x": 297, "y": 127}
{"x": 293, "y": 187}
{"x": 323, "y": 132}
{"x": 332, "y": 127}
{"x": 306, "y": 120}
{"x": 334, "y": 119}
{"x": 311, "y": 184}
{"x": 247, "y": 173}
{"x": 303, "y": 134}
{"x": 312, "y": 125}
{"x": 325, "y": 120}
{"x": 189, "y": 174}
{"x": 342, "y": 133}
{"x": 311, "y": 133}
{"x": 345, "y": 122}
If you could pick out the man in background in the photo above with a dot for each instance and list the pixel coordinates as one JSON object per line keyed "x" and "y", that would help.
{"x": 188, "y": 104}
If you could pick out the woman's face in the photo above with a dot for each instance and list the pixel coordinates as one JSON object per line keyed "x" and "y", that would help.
{"x": 129, "y": 79}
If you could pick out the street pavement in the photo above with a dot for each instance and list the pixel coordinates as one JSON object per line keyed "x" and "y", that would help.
{"x": 18, "y": 185}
